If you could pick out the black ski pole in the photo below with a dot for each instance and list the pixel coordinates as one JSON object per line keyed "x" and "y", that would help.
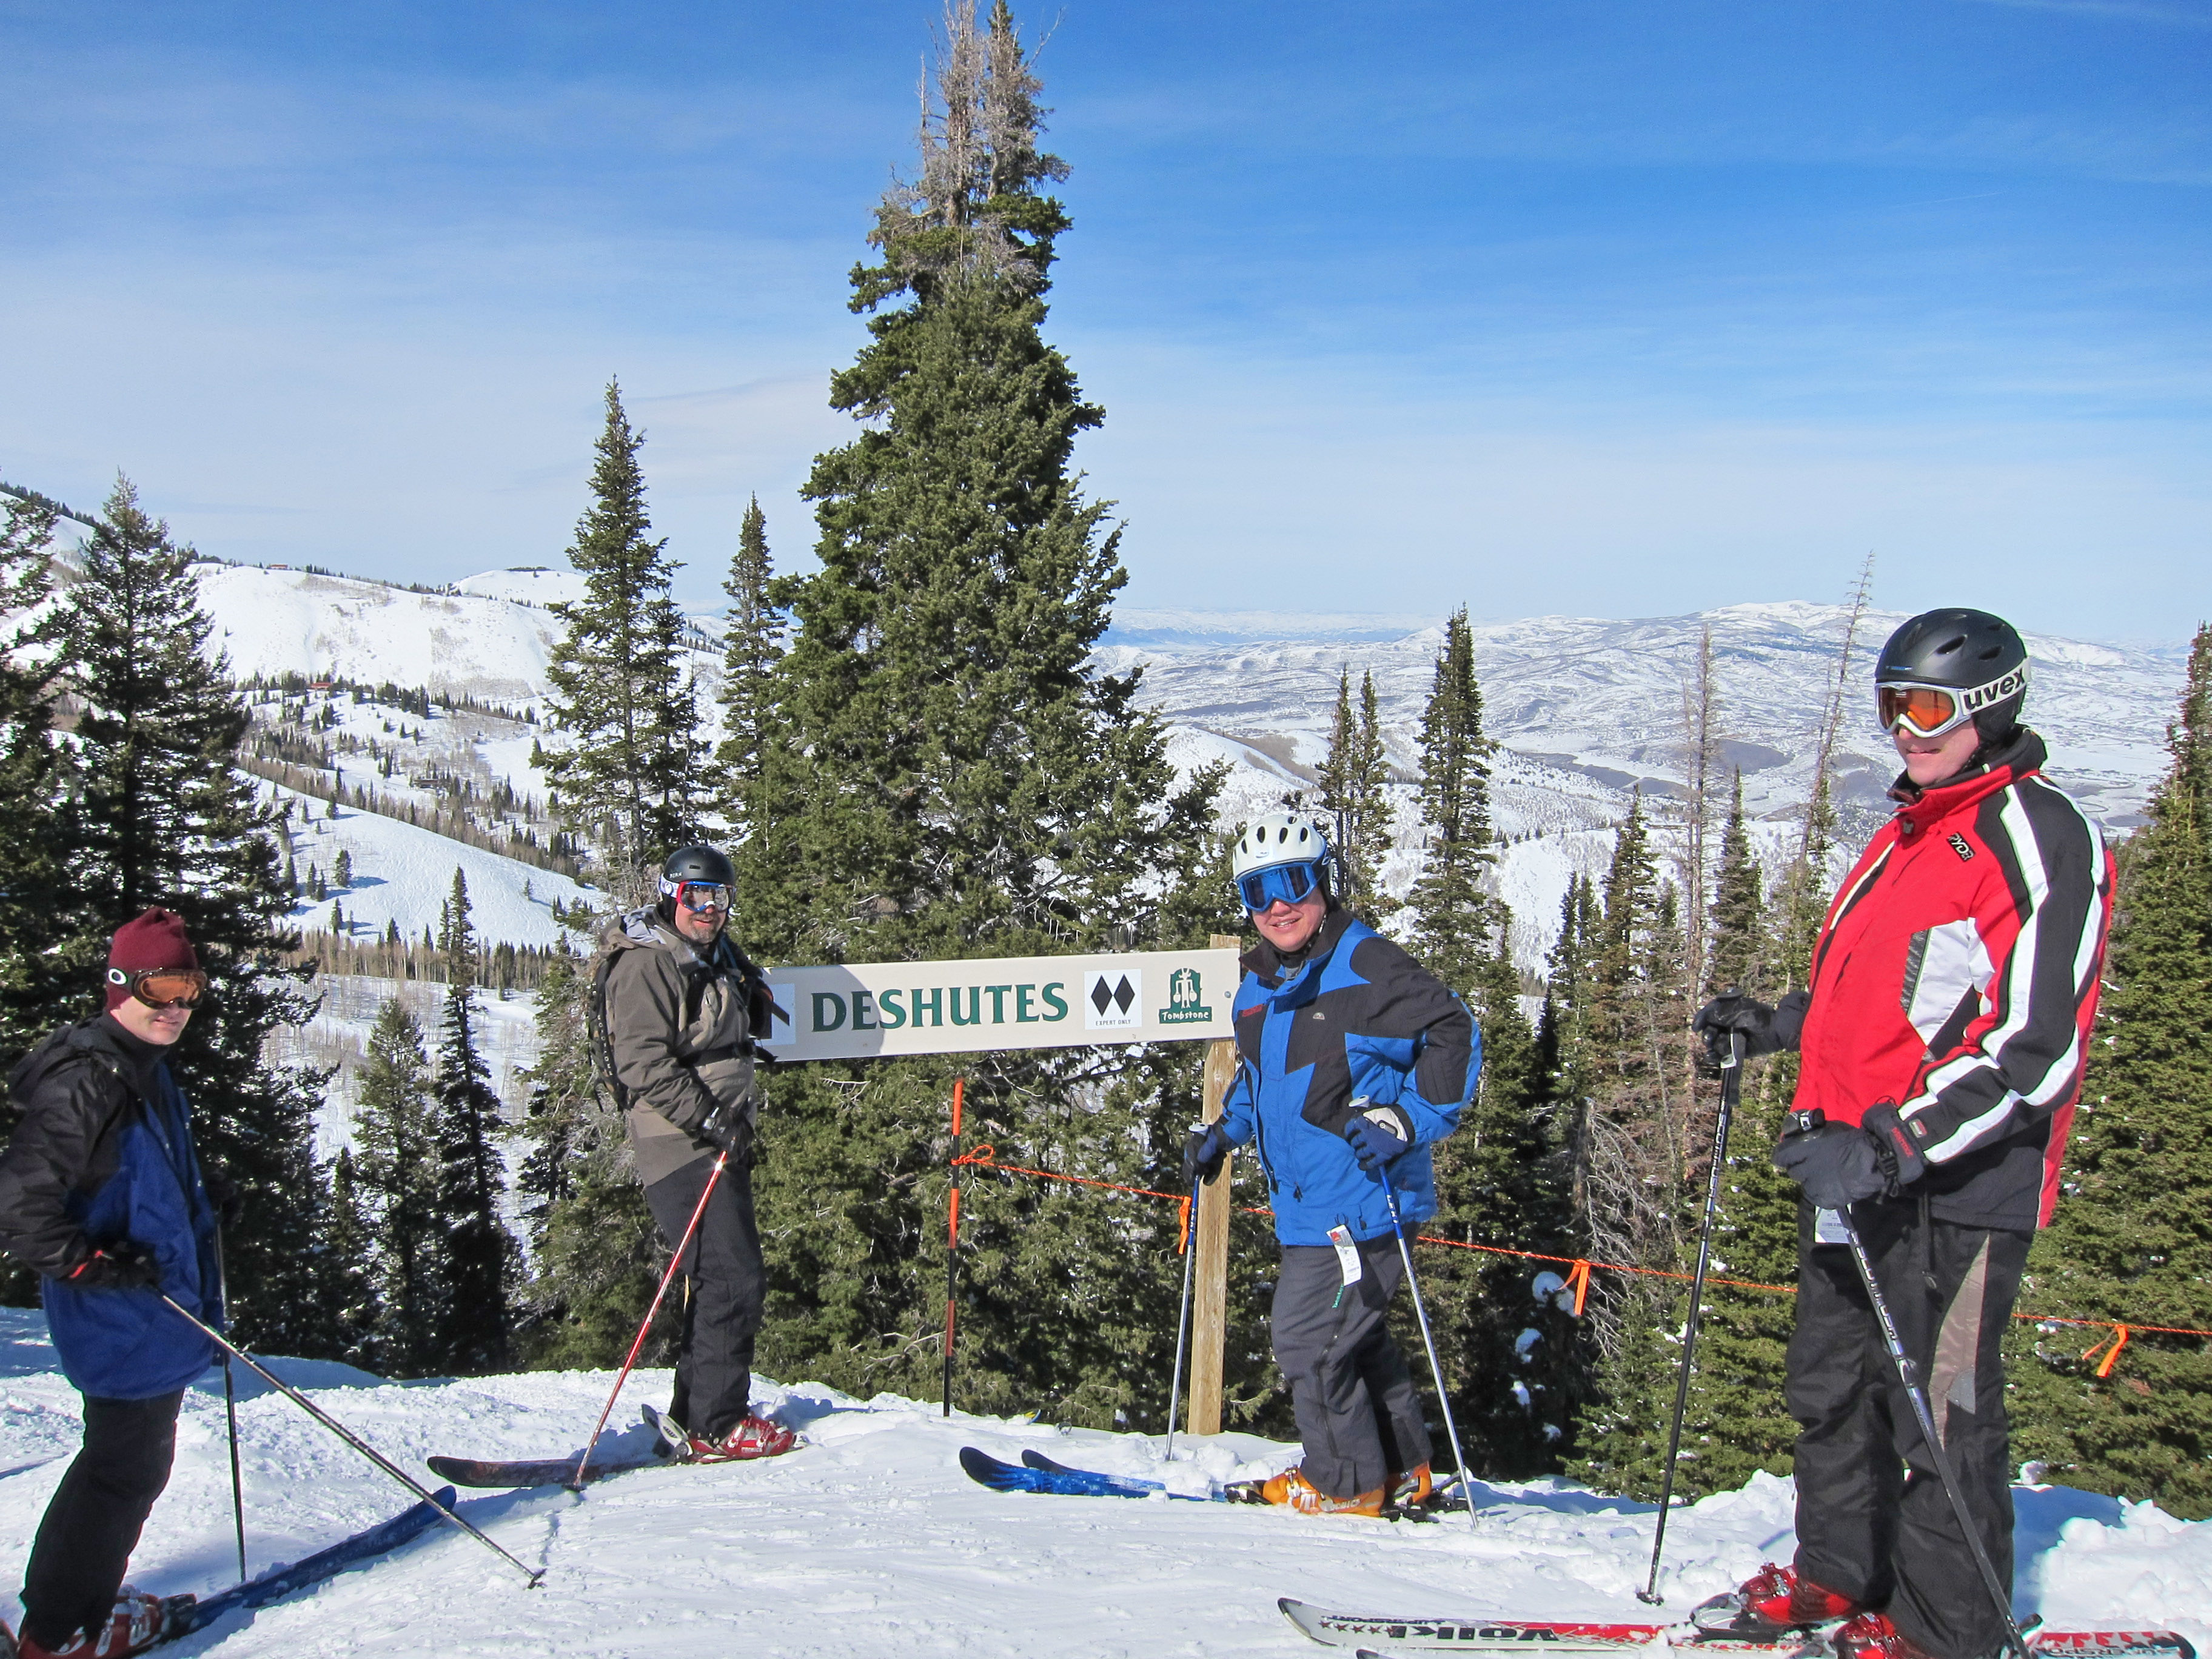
{"x": 1731, "y": 1091}
{"x": 1908, "y": 1374}
{"x": 1429, "y": 1340}
{"x": 952, "y": 1242}
{"x": 230, "y": 1408}
{"x": 1182, "y": 1319}
{"x": 347, "y": 1435}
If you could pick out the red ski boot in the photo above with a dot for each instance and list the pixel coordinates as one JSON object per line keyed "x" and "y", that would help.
{"x": 137, "y": 1623}
{"x": 757, "y": 1436}
{"x": 1871, "y": 1636}
{"x": 1772, "y": 1602}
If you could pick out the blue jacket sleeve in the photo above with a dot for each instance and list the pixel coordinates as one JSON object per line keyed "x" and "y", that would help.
{"x": 1237, "y": 1106}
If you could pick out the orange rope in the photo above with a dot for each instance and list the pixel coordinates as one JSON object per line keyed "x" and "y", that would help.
{"x": 1579, "y": 1270}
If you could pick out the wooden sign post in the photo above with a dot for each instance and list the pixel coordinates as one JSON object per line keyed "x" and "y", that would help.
{"x": 1210, "y": 1300}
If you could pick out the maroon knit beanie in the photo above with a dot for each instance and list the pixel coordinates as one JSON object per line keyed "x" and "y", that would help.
{"x": 155, "y": 939}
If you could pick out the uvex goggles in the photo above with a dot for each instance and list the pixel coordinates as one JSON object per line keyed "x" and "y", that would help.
{"x": 1929, "y": 711}
{"x": 162, "y": 988}
{"x": 697, "y": 895}
{"x": 1291, "y": 883}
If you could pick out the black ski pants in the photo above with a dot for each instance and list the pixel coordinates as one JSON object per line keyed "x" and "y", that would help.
{"x": 1357, "y": 1414}
{"x": 83, "y": 1544}
{"x": 722, "y": 1299}
{"x": 1874, "y": 1522}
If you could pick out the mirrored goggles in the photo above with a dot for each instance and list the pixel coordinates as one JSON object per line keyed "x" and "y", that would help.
{"x": 1929, "y": 711}
{"x": 1290, "y": 882}
{"x": 700, "y": 895}
{"x": 162, "y": 988}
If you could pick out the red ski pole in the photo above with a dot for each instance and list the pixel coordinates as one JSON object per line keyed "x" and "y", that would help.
{"x": 646, "y": 1324}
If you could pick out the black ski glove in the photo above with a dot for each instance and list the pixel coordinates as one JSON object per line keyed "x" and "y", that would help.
{"x": 224, "y": 1193}
{"x": 1837, "y": 1164}
{"x": 730, "y": 1126}
{"x": 1732, "y": 1011}
{"x": 1378, "y": 1135}
{"x": 1894, "y": 1144}
{"x": 1203, "y": 1152}
{"x": 124, "y": 1265}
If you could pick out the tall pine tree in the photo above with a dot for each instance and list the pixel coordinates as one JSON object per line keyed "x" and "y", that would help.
{"x": 396, "y": 1178}
{"x": 2132, "y": 1235}
{"x": 479, "y": 1254}
{"x": 1355, "y": 792}
{"x": 752, "y": 648}
{"x": 629, "y": 775}
{"x": 167, "y": 821}
{"x": 949, "y": 777}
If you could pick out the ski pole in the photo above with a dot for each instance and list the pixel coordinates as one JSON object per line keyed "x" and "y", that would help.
{"x": 349, "y": 1436}
{"x": 576, "y": 1481}
{"x": 1908, "y": 1374}
{"x": 952, "y": 1240}
{"x": 1429, "y": 1340}
{"x": 1182, "y": 1318}
{"x": 1731, "y": 1091}
{"x": 230, "y": 1408}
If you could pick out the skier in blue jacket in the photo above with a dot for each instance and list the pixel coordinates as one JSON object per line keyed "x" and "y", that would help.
{"x": 102, "y": 1196}
{"x": 1353, "y": 1061}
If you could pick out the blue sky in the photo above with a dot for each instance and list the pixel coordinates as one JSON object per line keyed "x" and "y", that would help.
{"x": 1589, "y": 306}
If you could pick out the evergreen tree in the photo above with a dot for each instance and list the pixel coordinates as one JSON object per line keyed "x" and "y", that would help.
{"x": 629, "y": 773}
{"x": 948, "y": 777}
{"x": 396, "y": 1130}
{"x": 479, "y": 1254}
{"x": 37, "y": 910}
{"x": 753, "y": 633}
{"x": 1355, "y": 791}
{"x": 1455, "y": 923}
{"x": 167, "y": 821}
{"x": 350, "y": 1268}
{"x": 2132, "y": 1235}
{"x": 1738, "y": 925}
{"x": 594, "y": 1251}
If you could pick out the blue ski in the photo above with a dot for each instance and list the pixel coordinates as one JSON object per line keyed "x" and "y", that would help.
{"x": 279, "y": 1582}
{"x": 988, "y": 1471}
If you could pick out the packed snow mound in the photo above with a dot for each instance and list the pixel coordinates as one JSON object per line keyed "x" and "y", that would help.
{"x": 870, "y": 1541}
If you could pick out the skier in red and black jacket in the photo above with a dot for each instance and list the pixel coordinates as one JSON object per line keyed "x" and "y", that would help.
{"x": 1944, "y": 1032}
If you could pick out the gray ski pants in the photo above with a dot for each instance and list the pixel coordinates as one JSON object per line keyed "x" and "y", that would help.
{"x": 1357, "y": 1414}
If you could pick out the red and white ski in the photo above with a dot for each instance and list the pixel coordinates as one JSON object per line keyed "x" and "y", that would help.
{"x": 1492, "y": 1634}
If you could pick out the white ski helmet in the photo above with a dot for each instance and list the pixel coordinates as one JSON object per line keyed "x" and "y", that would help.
{"x": 1273, "y": 841}
{"x": 1278, "y": 838}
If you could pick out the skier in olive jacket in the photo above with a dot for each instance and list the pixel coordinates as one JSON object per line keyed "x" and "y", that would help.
{"x": 680, "y": 1007}
{"x": 1353, "y": 1061}
{"x": 1944, "y": 1033}
{"x": 102, "y": 1196}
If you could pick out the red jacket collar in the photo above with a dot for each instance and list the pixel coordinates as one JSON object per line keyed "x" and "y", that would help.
{"x": 2020, "y": 755}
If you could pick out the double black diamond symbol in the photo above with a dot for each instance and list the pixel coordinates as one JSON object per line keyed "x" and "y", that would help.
{"x": 1119, "y": 994}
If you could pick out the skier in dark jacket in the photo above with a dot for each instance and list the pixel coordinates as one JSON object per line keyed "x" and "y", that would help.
{"x": 682, "y": 1007}
{"x": 1944, "y": 1032}
{"x": 1353, "y": 1061}
{"x": 102, "y": 1196}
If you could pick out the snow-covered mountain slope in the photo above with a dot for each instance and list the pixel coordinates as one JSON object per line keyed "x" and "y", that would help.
{"x": 870, "y": 1541}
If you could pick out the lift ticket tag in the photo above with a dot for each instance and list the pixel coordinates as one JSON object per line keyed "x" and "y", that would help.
{"x": 1347, "y": 1253}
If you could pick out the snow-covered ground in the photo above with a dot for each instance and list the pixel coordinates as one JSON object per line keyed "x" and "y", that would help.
{"x": 870, "y": 1541}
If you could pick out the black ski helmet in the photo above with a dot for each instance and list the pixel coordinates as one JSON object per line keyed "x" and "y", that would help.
{"x": 1972, "y": 653}
{"x": 699, "y": 863}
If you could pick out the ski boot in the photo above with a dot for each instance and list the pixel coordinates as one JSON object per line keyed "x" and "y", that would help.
{"x": 138, "y": 1622}
{"x": 1871, "y": 1636}
{"x": 755, "y": 1436}
{"x": 1291, "y": 1490}
{"x": 1772, "y": 1602}
{"x": 1409, "y": 1491}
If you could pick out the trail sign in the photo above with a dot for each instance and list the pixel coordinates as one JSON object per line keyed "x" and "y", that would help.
{"x": 889, "y": 1008}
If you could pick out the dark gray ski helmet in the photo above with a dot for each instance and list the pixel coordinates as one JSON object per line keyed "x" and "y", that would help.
{"x": 699, "y": 863}
{"x": 1978, "y": 657}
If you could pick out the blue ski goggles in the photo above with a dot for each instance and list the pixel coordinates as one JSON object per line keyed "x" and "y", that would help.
{"x": 1290, "y": 882}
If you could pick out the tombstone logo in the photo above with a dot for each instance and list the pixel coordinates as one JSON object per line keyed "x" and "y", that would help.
{"x": 1111, "y": 999}
{"x": 1185, "y": 1005}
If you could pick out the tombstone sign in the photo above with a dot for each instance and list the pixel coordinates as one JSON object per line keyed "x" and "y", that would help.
{"x": 887, "y": 1008}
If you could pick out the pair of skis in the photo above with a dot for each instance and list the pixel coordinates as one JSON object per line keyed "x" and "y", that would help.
{"x": 1037, "y": 1472}
{"x": 188, "y": 1614}
{"x": 1492, "y": 1634}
